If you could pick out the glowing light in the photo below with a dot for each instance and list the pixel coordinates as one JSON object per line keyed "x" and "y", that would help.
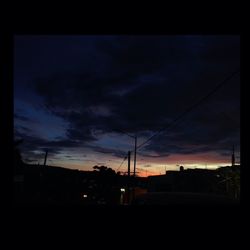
{"x": 85, "y": 196}
{"x": 122, "y": 189}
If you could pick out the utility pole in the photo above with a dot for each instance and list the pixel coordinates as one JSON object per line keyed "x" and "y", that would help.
{"x": 129, "y": 163}
{"x": 233, "y": 158}
{"x": 129, "y": 176}
{"x": 135, "y": 147}
{"x": 45, "y": 159}
{"x": 135, "y": 154}
{"x": 134, "y": 184}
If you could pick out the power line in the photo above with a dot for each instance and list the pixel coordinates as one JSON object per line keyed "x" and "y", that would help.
{"x": 218, "y": 86}
{"x": 123, "y": 132}
{"x": 121, "y": 163}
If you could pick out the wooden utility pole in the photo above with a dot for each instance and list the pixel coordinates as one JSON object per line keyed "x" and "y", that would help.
{"x": 233, "y": 158}
{"x": 135, "y": 155}
{"x": 134, "y": 181}
{"x": 129, "y": 163}
{"x": 45, "y": 159}
{"x": 129, "y": 176}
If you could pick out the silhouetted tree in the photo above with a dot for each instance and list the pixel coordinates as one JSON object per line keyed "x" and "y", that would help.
{"x": 100, "y": 168}
{"x": 104, "y": 169}
{"x": 106, "y": 179}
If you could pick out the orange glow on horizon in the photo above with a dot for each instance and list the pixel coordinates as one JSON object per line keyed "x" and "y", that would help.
{"x": 155, "y": 166}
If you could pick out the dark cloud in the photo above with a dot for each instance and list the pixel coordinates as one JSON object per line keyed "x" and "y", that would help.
{"x": 27, "y": 160}
{"x": 21, "y": 117}
{"x": 154, "y": 156}
{"x": 80, "y": 134}
{"x": 22, "y": 128}
{"x": 139, "y": 84}
{"x": 147, "y": 166}
{"x": 192, "y": 140}
{"x": 114, "y": 152}
{"x": 34, "y": 146}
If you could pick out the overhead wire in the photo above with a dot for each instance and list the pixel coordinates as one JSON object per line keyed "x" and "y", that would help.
{"x": 189, "y": 109}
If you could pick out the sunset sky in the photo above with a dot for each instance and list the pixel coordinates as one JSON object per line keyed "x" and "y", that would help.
{"x": 73, "y": 94}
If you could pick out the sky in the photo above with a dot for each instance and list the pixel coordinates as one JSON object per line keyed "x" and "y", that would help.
{"x": 79, "y": 97}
